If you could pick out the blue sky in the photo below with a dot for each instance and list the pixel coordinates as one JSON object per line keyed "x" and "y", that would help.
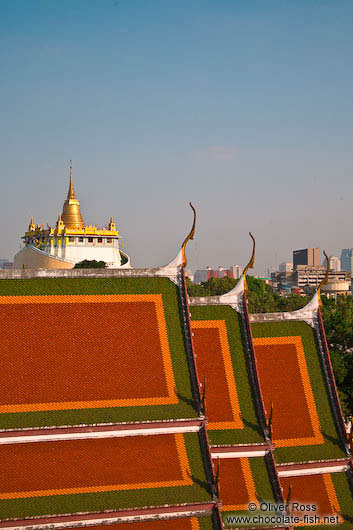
{"x": 245, "y": 108}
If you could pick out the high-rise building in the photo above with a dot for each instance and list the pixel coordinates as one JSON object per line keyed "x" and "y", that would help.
{"x": 347, "y": 259}
{"x": 306, "y": 256}
{"x": 286, "y": 266}
{"x": 237, "y": 271}
{"x": 335, "y": 263}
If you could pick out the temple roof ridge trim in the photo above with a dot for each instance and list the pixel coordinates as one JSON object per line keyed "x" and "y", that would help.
{"x": 180, "y": 259}
{"x": 308, "y": 313}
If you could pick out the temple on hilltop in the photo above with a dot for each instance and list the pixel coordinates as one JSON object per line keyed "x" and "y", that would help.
{"x": 70, "y": 242}
{"x": 152, "y": 410}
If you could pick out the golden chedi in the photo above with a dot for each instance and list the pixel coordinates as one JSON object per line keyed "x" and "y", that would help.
{"x": 70, "y": 242}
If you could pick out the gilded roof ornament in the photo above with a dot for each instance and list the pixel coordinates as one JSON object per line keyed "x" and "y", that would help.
{"x": 251, "y": 263}
{"x": 189, "y": 236}
{"x": 71, "y": 192}
{"x": 31, "y": 225}
{"x": 325, "y": 279}
{"x": 71, "y": 215}
{"x": 112, "y": 225}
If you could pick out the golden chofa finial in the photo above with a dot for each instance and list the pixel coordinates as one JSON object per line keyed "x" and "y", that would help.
{"x": 325, "y": 278}
{"x": 190, "y": 236}
{"x": 251, "y": 263}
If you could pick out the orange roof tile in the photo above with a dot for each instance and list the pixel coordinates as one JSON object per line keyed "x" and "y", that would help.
{"x": 285, "y": 382}
{"x": 214, "y": 362}
{"x": 95, "y": 465}
{"x": 58, "y": 350}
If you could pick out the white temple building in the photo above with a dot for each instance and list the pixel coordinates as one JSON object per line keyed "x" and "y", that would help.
{"x": 70, "y": 242}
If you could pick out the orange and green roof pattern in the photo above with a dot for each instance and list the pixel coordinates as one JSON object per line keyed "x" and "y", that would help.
{"x": 92, "y": 475}
{"x": 327, "y": 496}
{"x": 88, "y": 350}
{"x": 180, "y": 523}
{"x": 292, "y": 379}
{"x": 221, "y": 357}
{"x": 242, "y": 482}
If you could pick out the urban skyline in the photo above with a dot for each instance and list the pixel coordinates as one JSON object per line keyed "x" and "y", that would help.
{"x": 243, "y": 108}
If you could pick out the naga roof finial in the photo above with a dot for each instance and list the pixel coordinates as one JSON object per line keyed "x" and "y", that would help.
{"x": 189, "y": 236}
{"x": 250, "y": 265}
{"x": 325, "y": 278}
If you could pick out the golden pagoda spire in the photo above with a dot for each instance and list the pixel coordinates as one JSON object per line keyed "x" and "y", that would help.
{"x": 71, "y": 192}
{"x": 71, "y": 216}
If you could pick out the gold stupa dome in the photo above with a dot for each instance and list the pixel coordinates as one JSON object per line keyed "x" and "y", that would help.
{"x": 71, "y": 216}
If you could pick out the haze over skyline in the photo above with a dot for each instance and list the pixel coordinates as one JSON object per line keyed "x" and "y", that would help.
{"x": 244, "y": 108}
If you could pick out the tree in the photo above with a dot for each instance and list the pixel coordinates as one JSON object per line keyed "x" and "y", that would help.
{"x": 90, "y": 264}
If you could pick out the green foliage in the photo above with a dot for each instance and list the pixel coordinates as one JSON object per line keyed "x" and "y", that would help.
{"x": 123, "y": 258}
{"x": 338, "y": 320}
{"x": 90, "y": 264}
{"x": 213, "y": 287}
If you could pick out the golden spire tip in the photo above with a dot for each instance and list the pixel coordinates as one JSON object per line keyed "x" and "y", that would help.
{"x": 71, "y": 192}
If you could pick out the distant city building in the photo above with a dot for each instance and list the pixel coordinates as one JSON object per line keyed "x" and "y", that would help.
{"x": 336, "y": 287}
{"x": 203, "y": 275}
{"x": 5, "y": 264}
{"x": 286, "y": 266}
{"x": 347, "y": 259}
{"x": 237, "y": 271}
{"x": 308, "y": 278}
{"x": 306, "y": 256}
{"x": 335, "y": 263}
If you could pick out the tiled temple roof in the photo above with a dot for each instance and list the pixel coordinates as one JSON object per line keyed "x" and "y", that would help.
{"x": 113, "y": 404}
{"x": 99, "y": 403}
{"x": 282, "y": 359}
